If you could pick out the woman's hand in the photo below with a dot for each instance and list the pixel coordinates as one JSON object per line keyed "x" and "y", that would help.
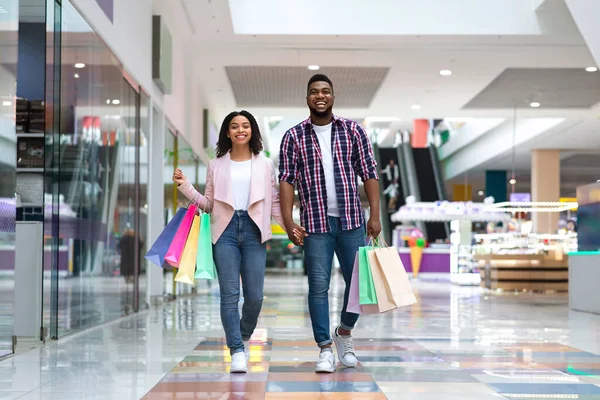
{"x": 178, "y": 177}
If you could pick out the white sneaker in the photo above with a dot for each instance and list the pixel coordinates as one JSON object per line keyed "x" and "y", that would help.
{"x": 345, "y": 349}
{"x": 238, "y": 363}
{"x": 247, "y": 349}
{"x": 326, "y": 361}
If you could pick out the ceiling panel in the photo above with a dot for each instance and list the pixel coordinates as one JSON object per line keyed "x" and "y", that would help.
{"x": 551, "y": 87}
{"x": 256, "y": 86}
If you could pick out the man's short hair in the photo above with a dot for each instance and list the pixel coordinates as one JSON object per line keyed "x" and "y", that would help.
{"x": 319, "y": 78}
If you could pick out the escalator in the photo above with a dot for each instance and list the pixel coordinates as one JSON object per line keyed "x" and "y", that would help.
{"x": 431, "y": 187}
{"x": 392, "y": 187}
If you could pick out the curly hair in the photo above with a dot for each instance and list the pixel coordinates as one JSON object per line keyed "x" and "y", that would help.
{"x": 224, "y": 144}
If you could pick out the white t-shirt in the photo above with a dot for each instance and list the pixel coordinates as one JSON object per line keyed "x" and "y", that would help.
{"x": 241, "y": 173}
{"x": 324, "y": 137}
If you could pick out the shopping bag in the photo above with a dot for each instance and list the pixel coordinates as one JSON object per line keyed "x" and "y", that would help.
{"x": 187, "y": 265}
{"x": 397, "y": 285}
{"x": 383, "y": 302}
{"x": 365, "y": 286}
{"x": 353, "y": 296}
{"x": 173, "y": 255}
{"x": 157, "y": 252}
{"x": 205, "y": 266}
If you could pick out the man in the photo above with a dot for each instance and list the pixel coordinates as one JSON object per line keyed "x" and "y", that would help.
{"x": 322, "y": 158}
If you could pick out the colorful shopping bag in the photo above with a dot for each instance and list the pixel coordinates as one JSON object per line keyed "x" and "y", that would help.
{"x": 173, "y": 255}
{"x": 366, "y": 287}
{"x": 157, "y": 252}
{"x": 205, "y": 266}
{"x": 353, "y": 297}
{"x": 397, "y": 285}
{"x": 187, "y": 265}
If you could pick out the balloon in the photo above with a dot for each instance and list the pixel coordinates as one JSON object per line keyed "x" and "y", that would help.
{"x": 412, "y": 242}
{"x": 420, "y": 242}
{"x": 416, "y": 233}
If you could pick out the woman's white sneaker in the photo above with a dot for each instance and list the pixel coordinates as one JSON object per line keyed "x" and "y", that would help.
{"x": 238, "y": 363}
{"x": 326, "y": 361}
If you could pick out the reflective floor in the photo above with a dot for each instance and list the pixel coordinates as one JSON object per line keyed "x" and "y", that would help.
{"x": 457, "y": 343}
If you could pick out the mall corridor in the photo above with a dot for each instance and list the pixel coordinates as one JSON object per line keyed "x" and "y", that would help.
{"x": 456, "y": 343}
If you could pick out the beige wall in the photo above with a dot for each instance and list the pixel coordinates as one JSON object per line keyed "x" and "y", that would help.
{"x": 545, "y": 186}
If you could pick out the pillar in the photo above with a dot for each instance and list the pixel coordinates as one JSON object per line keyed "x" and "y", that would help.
{"x": 545, "y": 186}
{"x": 420, "y": 132}
{"x": 495, "y": 185}
{"x": 156, "y": 200}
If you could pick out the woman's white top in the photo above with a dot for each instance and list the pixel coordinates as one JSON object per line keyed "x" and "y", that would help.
{"x": 241, "y": 174}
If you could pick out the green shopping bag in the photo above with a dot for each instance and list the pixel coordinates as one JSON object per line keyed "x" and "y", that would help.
{"x": 205, "y": 266}
{"x": 366, "y": 286}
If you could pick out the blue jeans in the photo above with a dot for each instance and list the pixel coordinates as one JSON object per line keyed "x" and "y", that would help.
{"x": 239, "y": 251}
{"x": 318, "y": 252}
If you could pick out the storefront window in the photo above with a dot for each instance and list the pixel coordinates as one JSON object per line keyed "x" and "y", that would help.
{"x": 94, "y": 184}
{"x": 9, "y": 24}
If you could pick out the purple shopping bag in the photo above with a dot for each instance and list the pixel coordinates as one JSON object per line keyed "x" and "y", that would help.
{"x": 173, "y": 255}
{"x": 354, "y": 295}
{"x": 158, "y": 251}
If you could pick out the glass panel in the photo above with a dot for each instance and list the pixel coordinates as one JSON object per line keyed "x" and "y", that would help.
{"x": 170, "y": 161}
{"x": 145, "y": 115}
{"x": 9, "y": 22}
{"x": 94, "y": 183}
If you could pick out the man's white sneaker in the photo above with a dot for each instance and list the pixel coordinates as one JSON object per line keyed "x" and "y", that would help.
{"x": 247, "y": 349}
{"x": 238, "y": 362}
{"x": 345, "y": 349}
{"x": 326, "y": 361}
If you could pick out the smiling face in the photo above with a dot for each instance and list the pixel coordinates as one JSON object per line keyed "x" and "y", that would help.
{"x": 240, "y": 131}
{"x": 320, "y": 99}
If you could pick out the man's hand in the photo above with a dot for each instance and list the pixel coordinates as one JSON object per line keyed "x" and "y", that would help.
{"x": 178, "y": 177}
{"x": 374, "y": 227}
{"x": 297, "y": 234}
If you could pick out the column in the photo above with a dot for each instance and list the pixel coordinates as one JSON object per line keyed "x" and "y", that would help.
{"x": 156, "y": 200}
{"x": 545, "y": 186}
{"x": 420, "y": 132}
{"x": 495, "y": 185}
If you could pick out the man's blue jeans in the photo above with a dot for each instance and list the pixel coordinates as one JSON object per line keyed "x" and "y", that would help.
{"x": 318, "y": 252}
{"x": 239, "y": 251}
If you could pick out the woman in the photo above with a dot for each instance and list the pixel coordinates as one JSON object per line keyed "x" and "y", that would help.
{"x": 241, "y": 195}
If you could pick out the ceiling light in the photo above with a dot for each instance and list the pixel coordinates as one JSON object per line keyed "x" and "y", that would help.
{"x": 415, "y": 107}
{"x": 313, "y": 67}
{"x": 116, "y": 102}
{"x": 513, "y": 181}
{"x": 76, "y": 76}
{"x": 107, "y": 101}
{"x": 80, "y": 65}
{"x": 591, "y": 69}
{"x": 535, "y": 104}
{"x": 445, "y": 72}
{"x": 7, "y": 103}
{"x": 481, "y": 193}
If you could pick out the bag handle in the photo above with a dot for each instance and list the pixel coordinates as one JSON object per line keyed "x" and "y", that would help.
{"x": 196, "y": 203}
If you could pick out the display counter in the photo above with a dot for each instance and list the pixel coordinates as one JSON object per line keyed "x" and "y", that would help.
{"x": 433, "y": 261}
{"x": 584, "y": 281}
{"x": 524, "y": 261}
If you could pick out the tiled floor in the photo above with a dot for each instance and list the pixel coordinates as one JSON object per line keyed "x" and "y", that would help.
{"x": 457, "y": 343}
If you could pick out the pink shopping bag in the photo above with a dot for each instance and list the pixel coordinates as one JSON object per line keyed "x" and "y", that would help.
{"x": 173, "y": 256}
{"x": 354, "y": 296}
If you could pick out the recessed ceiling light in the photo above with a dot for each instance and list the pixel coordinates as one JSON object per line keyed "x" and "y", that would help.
{"x": 445, "y": 72}
{"x": 535, "y": 104}
{"x": 80, "y": 65}
{"x": 7, "y": 103}
{"x": 116, "y": 101}
{"x": 107, "y": 101}
{"x": 76, "y": 76}
{"x": 591, "y": 69}
{"x": 313, "y": 67}
{"x": 481, "y": 193}
{"x": 513, "y": 181}
{"x": 415, "y": 107}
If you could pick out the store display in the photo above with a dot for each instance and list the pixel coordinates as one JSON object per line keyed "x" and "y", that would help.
{"x": 30, "y": 152}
